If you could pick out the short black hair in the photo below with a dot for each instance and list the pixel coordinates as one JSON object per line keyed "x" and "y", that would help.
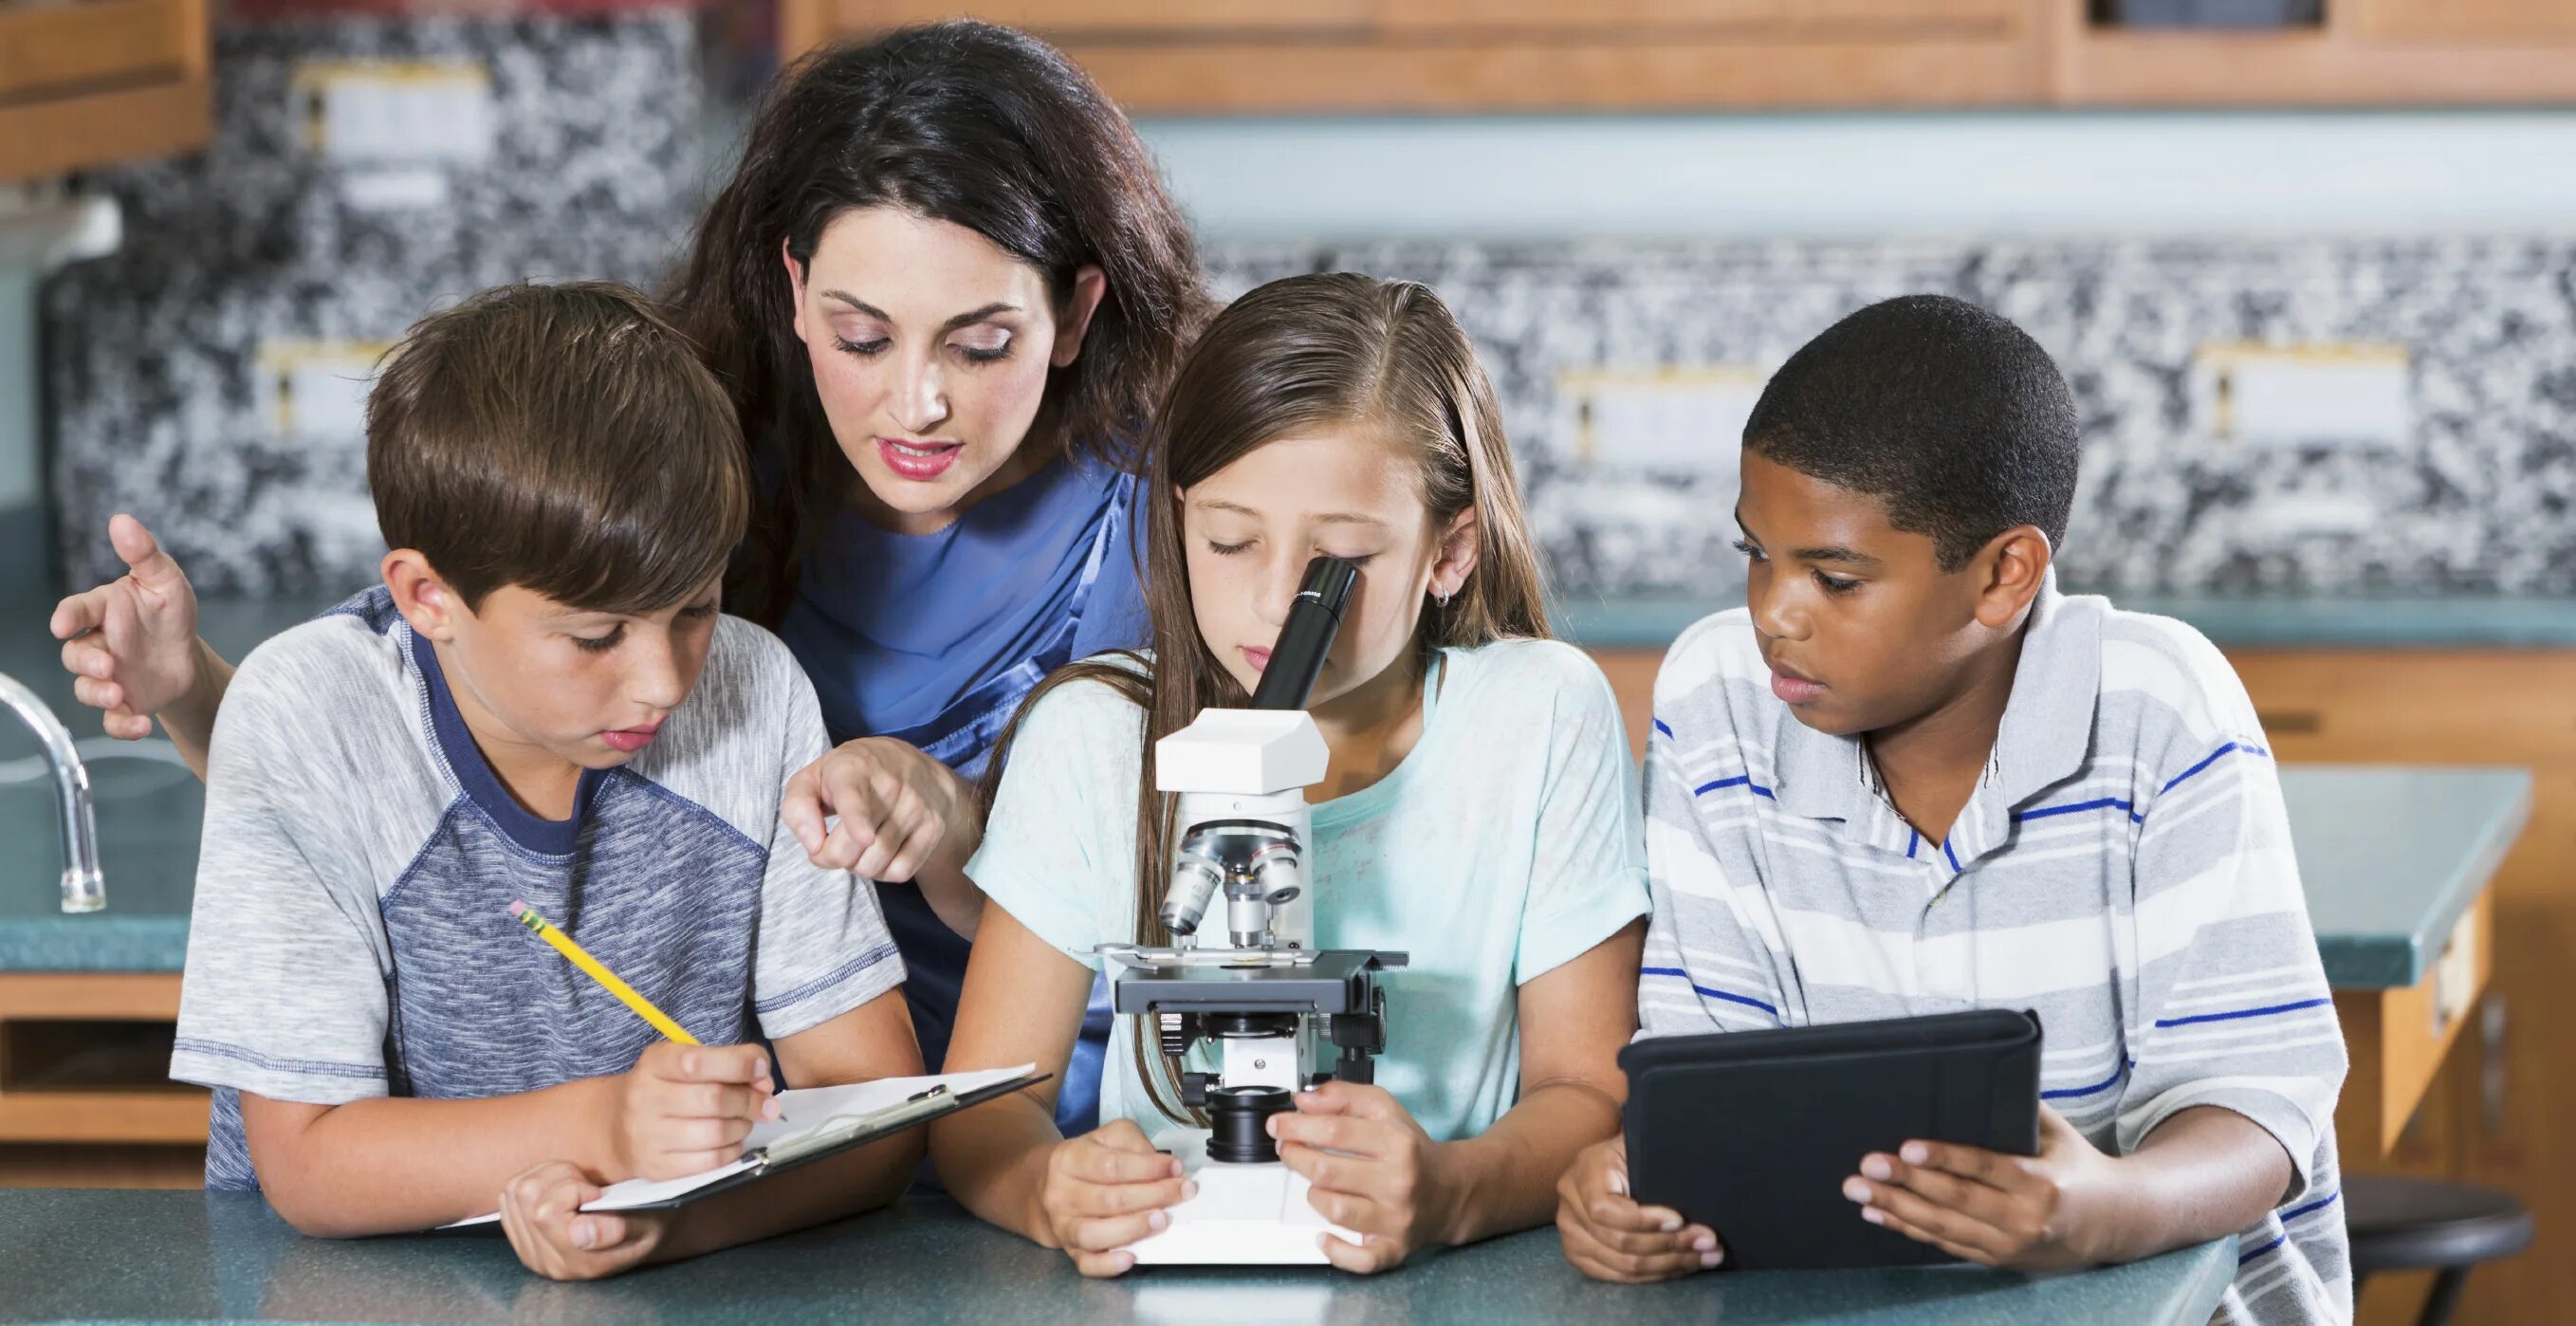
{"x": 1953, "y": 417}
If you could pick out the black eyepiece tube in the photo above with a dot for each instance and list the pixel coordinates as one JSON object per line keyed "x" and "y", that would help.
{"x": 1313, "y": 620}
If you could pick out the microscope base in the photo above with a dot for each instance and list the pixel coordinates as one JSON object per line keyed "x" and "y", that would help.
{"x": 1244, "y": 1215}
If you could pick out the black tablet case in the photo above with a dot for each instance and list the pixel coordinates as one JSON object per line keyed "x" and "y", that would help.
{"x": 1753, "y": 1132}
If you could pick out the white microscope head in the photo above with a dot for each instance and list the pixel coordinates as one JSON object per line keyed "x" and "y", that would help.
{"x": 1242, "y": 752}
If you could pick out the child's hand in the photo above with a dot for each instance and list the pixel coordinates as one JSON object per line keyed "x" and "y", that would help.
{"x": 2027, "y": 1213}
{"x": 684, "y": 1109}
{"x": 541, "y": 1212}
{"x": 895, "y": 804}
{"x": 131, "y": 644}
{"x": 1608, "y": 1236}
{"x": 1105, "y": 1190}
{"x": 1373, "y": 1170}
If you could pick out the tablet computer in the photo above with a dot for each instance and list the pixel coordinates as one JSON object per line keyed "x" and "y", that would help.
{"x": 1753, "y": 1132}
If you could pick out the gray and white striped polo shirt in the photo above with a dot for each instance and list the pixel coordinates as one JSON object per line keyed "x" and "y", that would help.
{"x": 2123, "y": 868}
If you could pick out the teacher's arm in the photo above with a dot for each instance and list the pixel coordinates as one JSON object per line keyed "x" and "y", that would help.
{"x": 901, "y": 816}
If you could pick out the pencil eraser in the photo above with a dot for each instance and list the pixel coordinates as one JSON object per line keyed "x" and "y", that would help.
{"x": 517, "y": 905}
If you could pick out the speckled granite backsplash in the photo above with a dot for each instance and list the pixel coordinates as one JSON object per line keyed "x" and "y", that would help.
{"x": 2479, "y": 495}
{"x": 162, "y": 405}
{"x": 154, "y": 361}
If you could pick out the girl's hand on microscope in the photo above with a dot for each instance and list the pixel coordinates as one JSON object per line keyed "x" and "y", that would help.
{"x": 1105, "y": 1190}
{"x": 1373, "y": 1171}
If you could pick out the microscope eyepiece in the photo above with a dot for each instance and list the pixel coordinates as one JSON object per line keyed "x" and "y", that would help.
{"x": 1313, "y": 620}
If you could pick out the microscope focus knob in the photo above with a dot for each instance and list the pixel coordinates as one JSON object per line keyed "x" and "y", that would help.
{"x": 1194, "y": 1090}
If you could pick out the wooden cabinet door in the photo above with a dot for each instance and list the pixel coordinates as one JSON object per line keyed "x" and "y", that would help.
{"x": 1464, "y": 55}
{"x": 2434, "y": 21}
{"x": 92, "y": 82}
{"x": 2473, "y": 707}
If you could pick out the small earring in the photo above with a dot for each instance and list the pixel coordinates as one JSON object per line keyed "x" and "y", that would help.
{"x": 1440, "y": 598}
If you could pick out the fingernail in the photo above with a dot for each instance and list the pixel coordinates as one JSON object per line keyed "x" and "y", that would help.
{"x": 1876, "y": 1168}
{"x": 1157, "y": 1220}
{"x": 1189, "y": 1189}
{"x": 1873, "y": 1215}
{"x": 1856, "y": 1190}
{"x": 1619, "y": 1184}
{"x": 581, "y": 1235}
{"x": 1708, "y": 1260}
{"x": 1915, "y": 1153}
{"x": 1271, "y": 1125}
{"x": 1704, "y": 1243}
{"x": 1671, "y": 1223}
{"x": 771, "y": 1109}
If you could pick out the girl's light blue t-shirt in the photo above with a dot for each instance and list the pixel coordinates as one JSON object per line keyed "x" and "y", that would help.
{"x": 1507, "y": 842}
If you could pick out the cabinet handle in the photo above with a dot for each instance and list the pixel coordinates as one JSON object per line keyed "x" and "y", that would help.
{"x": 2292, "y": 722}
{"x": 2491, "y": 1075}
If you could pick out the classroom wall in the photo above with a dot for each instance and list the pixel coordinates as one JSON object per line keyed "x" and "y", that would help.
{"x": 2127, "y": 243}
{"x": 1870, "y": 176}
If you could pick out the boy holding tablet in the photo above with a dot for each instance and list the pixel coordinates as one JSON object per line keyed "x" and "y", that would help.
{"x": 1911, "y": 777}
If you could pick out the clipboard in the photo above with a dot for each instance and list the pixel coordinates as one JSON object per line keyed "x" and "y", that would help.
{"x": 842, "y": 1132}
{"x": 935, "y": 1098}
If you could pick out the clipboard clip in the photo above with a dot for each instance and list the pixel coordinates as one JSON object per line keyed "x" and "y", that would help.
{"x": 843, "y": 1130}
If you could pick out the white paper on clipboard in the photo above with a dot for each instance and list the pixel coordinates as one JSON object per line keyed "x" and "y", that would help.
{"x": 806, "y": 1111}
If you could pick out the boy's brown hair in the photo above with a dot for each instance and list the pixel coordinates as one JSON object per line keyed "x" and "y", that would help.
{"x": 561, "y": 438}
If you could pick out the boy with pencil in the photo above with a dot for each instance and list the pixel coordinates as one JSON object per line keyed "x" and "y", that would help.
{"x": 539, "y": 709}
{"x": 1911, "y": 777}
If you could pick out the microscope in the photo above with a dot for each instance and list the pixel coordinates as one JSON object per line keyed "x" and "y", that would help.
{"x": 1266, "y": 1001}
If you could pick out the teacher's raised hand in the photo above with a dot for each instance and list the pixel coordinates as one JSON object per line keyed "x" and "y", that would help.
{"x": 131, "y": 645}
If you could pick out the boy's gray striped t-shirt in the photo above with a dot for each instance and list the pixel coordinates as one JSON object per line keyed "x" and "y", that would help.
{"x": 2123, "y": 868}
{"x": 351, "y": 935}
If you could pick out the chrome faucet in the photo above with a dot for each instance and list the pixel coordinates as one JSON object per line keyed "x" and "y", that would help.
{"x": 84, "y": 890}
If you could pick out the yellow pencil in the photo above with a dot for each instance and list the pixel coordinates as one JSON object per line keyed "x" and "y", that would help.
{"x": 537, "y": 925}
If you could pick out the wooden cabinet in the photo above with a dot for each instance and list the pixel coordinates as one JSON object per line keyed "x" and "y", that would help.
{"x": 2463, "y": 20}
{"x": 85, "y": 83}
{"x": 2367, "y": 53}
{"x": 1529, "y": 55}
{"x": 1537, "y": 55}
{"x": 85, "y": 1095}
{"x": 2495, "y": 1114}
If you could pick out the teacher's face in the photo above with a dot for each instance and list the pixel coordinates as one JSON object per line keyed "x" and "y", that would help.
{"x": 930, "y": 347}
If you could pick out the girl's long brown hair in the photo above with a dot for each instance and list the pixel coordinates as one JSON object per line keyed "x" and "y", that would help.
{"x": 981, "y": 126}
{"x": 1296, "y": 355}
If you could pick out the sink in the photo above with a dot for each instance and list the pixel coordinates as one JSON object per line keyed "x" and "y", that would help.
{"x": 116, "y": 768}
{"x": 149, "y": 808}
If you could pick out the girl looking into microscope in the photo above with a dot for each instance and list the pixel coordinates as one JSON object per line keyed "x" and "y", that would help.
{"x": 1477, "y": 811}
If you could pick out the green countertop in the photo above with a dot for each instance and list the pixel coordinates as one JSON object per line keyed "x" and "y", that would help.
{"x": 180, "y": 1256}
{"x": 2390, "y": 855}
{"x": 2247, "y": 621}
